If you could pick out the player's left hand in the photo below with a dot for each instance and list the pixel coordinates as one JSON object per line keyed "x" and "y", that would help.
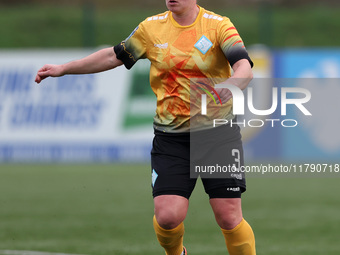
{"x": 224, "y": 94}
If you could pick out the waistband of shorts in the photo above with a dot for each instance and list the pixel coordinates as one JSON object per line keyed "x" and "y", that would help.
{"x": 223, "y": 129}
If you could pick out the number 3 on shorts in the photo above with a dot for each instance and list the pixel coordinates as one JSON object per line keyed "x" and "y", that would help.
{"x": 236, "y": 154}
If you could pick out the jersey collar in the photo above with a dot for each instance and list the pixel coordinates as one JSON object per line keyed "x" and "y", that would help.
{"x": 174, "y": 22}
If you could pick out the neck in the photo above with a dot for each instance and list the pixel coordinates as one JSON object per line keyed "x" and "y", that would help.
{"x": 186, "y": 18}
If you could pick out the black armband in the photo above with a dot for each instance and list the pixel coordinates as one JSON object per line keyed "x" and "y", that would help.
{"x": 123, "y": 55}
{"x": 238, "y": 54}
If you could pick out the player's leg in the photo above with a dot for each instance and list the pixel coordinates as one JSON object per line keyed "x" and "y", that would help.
{"x": 228, "y": 211}
{"x": 172, "y": 187}
{"x": 238, "y": 234}
{"x": 170, "y": 212}
{"x": 225, "y": 190}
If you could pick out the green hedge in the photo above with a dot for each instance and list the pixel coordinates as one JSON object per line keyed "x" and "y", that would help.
{"x": 61, "y": 26}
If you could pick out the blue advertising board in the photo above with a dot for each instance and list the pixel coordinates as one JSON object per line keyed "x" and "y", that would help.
{"x": 307, "y": 63}
{"x": 316, "y": 138}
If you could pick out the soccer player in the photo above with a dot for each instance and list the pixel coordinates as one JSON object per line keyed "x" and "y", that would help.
{"x": 184, "y": 43}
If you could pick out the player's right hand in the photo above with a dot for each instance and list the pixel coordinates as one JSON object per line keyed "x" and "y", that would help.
{"x": 49, "y": 71}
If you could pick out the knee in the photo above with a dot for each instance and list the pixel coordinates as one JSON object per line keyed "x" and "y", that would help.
{"x": 228, "y": 221}
{"x": 228, "y": 212}
{"x": 170, "y": 210}
{"x": 168, "y": 219}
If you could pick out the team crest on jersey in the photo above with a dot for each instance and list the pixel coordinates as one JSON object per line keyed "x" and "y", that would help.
{"x": 203, "y": 44}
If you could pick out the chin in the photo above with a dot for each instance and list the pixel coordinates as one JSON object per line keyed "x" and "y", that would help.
{"x": 172, "y": 7}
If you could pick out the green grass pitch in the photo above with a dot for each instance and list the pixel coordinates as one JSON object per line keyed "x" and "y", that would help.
{"x": 99, "y": 209}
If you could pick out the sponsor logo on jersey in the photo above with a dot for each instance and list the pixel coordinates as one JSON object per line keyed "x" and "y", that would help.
{"x": 161, "y": 46}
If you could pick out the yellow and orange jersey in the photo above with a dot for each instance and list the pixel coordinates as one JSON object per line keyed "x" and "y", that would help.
{"x": 179, "y": 55}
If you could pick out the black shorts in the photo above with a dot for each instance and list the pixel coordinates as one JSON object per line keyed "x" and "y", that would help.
{"x": 177, "y": 159}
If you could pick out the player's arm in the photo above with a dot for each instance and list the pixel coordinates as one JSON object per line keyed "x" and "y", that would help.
{"x": 242, "y": 75}
{"x": 241, "y": 78}
{"x": 234, "y": 50}
{"x": 99, "y": 61}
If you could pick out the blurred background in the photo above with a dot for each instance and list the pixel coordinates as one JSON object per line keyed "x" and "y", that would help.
{"x": 75, "y": 151}
{"x": 89, "y": 23}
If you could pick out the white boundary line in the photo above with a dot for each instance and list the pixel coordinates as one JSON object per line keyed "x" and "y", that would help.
{"x": 17, "y": 252}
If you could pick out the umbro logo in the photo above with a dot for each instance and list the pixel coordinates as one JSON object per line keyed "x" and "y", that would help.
{"x": 161, "y": 46}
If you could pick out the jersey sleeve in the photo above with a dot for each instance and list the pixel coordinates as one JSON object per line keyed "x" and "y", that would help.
{"x": 132, "y": 48}
{"x": 231, "y": 43}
